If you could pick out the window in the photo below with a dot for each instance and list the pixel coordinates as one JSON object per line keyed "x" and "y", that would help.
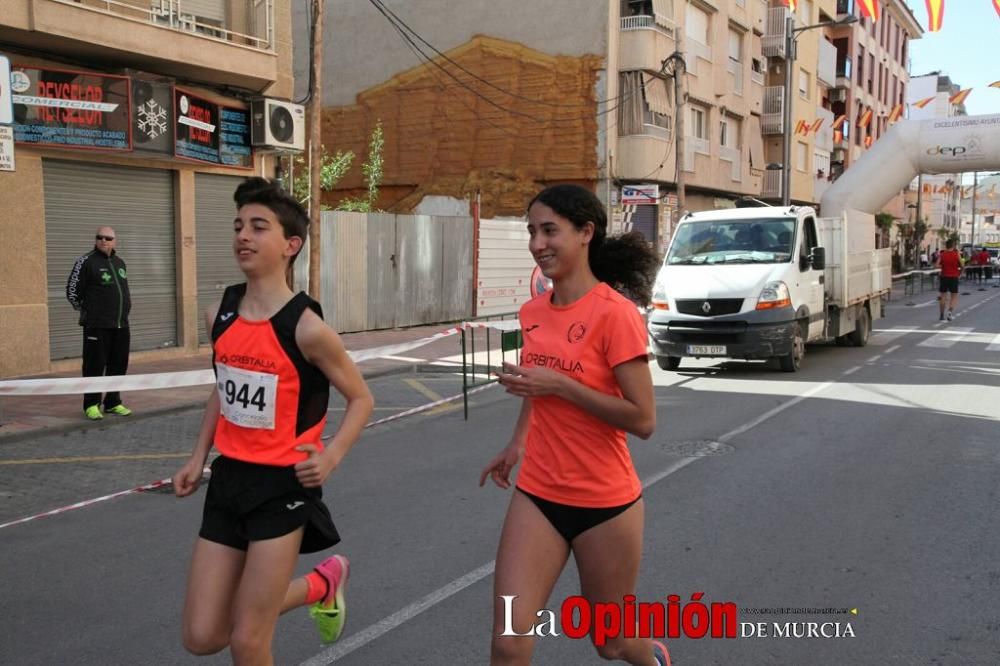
{"x": 803, "y": 84}
{"x": 871, "y": 73}
{"x": 861, "y": 65}
{"x": 729, "y": 132}
{"x": 696, "y": 25}
{"x": 735, "y": 46}
{"x": 757, "y": 66}
{"x": 698, "y": 128}
{"x": 637, "y": 8}
{"x": 801, "y": 156}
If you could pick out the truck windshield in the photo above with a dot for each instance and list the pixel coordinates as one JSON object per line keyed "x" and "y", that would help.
{"x": 751, "y": 241}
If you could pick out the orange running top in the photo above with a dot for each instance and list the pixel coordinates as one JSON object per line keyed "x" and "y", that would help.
{"x": 571, "y": 456}
{"x": 272, "y": 399}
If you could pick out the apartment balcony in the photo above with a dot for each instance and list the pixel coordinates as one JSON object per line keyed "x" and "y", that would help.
{"x": 229, "y": 42}
{"x": 644, "y": 41}
{"x": 774, "y": 36}
{"x": 639, "y": 156}
{"x": 772, "y": 117}
{"x": 771, "y": 189}
{"x": 732, "y": 157}
{"x": 734, "y": 75}
{"x": 826, "y": 72}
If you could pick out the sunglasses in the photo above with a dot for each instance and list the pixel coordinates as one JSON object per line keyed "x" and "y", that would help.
{"x": 104, "y": 238}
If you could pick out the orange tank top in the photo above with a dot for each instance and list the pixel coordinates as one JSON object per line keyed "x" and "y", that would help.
{"x": 571, "y": 456}
{"x": 272, "y": 399}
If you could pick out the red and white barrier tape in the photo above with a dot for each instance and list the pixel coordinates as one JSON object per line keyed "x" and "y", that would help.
{"x": 155, "y": 485}
{"x": 74, "y": 385}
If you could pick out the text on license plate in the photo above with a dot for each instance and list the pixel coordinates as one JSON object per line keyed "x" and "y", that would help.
{"x": 707, "y": 350}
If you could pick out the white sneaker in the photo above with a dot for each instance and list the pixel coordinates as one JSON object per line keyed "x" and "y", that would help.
{"x": 950, "y": 315}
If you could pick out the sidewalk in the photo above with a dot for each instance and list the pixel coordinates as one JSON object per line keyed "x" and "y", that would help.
{"x": 26, "y": 416}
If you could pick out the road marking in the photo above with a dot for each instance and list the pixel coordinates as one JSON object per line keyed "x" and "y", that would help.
{"x": 886, "y": 335}
{"x": 893, "y": 348}
{"x": 874, "y": 358}
{"x": 851, "y": 371}
{"x": 408, "y": 359}
{"x": 84, "y": 459}
{"x": 994, "y": 345}
{"x": 945, "y": 339}
{"x": 385, "y": 625}
{"x": 428, "y": 393}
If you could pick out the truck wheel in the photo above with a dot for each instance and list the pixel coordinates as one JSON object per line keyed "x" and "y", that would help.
{"x": 668, "y": 362}
{"x": 862, "y": 328}
{"x": 792, "y": 361}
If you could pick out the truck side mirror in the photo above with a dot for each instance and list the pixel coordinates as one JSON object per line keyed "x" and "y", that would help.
{"x": 818, "y": 258}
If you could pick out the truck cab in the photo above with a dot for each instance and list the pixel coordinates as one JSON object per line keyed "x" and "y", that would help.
{"x": 754, "y": 283}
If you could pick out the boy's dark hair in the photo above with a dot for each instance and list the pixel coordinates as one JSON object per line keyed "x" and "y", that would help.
{"x": 949, "y": 244}
{"x": 268, "y": 193}
{"x": 627, "y": 262}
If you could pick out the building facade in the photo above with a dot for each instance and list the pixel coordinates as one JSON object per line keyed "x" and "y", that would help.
{"x": 498, "y": 115}
{"x": 872, "y": 81}
{"x": 131, "y": 114}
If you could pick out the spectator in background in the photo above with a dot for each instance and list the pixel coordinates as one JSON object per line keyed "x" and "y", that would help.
{"x": 98, "y": 289}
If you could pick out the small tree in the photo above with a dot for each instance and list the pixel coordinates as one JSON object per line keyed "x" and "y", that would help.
{"x": 920, "y": 228}
{"x": 332, "y": 169}
{"x": 884, "y": 223}
{"x": 373, "y": 172}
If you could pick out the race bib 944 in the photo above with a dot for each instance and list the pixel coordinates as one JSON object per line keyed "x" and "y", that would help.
{"x": 247, "y": 398}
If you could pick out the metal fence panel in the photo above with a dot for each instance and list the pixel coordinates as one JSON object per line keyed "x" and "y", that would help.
{"x": 456, "y": 267}
{"x": 382, "y": 259}
{"x": 343, "y": 272}
{"x": 418, "y": 241}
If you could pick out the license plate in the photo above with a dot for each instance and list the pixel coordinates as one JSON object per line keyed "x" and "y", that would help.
{"x": 707, "y": 350}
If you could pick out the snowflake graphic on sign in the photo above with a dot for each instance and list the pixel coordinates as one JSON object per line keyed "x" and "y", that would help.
{"x": 152, "y": 119}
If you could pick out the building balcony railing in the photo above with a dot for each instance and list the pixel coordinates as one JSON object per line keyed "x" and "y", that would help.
{"x": 249, "y": 23}
{"x": 772, "y": 115}
{"x": 774, "y": 39}
{"x": 771, "y": 188}
{"x": 646, "y": 22}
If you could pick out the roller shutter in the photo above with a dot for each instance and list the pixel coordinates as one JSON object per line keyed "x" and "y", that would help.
{"x": 644, "y": 221}
{"x": 139, "y": 205}
{"x": 214, "y": 213}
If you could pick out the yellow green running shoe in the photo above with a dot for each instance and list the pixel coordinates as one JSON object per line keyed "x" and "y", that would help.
{"x": 120, "y": 410}
{"x": 94, "y": 413}
{"x": 330, "y": 613}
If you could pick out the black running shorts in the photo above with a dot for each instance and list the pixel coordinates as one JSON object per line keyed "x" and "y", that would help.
{"x": 249, "y": 502}
{"x": 948, "y": 284}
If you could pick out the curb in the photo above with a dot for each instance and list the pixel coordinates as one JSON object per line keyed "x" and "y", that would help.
{"x": 63, "y": 429}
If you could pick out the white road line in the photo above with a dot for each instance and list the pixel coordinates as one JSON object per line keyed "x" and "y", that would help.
{"x": 387, "y": 624}
{"x": 893, "y": 348}
{"x": 886, "y": 335}
{"x": 874, "y": 358}
{"x": 945, "y": 339}
{"x": 851, "y": 371}
{"x": 407, "y": 359}
{"x": 994, "y": 345}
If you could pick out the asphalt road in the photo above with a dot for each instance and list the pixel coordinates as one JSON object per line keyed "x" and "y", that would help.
{"x": 867, "y": 481}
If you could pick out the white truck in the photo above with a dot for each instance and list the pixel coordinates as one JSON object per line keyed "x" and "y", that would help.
{"x": 761, "y": 282}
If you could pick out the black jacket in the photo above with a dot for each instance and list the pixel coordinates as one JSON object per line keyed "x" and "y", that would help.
{"x": 98, "y": 288}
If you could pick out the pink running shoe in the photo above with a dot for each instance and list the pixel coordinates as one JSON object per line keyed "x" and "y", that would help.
{"x": 330, "y": 612}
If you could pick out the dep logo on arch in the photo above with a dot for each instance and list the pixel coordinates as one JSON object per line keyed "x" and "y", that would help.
{"x": 973, "y": 148}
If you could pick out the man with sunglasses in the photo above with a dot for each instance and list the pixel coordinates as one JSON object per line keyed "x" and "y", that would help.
{"x": 98, "y": 289}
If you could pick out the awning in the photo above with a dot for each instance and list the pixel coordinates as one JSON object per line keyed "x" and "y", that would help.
{"x": 656, "y": 95}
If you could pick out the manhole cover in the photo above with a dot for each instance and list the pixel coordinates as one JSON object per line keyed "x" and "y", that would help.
{"x": 697, "y": 448}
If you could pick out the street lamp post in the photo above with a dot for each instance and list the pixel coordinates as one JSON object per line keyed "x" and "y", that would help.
{"x": 791, "y": 43}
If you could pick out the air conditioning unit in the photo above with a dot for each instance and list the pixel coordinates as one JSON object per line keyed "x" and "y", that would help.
{"x": 838, "y": 95}
{"x": 277, "y": 124}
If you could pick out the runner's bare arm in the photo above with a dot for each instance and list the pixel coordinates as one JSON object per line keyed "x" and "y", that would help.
{"x": 186, "y": 480}
{"x": 503, "y": 463}
{"x": 323, "y": 348}
{"x": 635, "y": 412}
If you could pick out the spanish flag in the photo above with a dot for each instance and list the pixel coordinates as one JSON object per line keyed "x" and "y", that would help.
{"x": 794, "y": 4}
{"x": 924, "y": 102}
{"x": 995, "y": 84}
{"x": 960, "y": 96}
{"x": 996, "y": 5}
{"x": 897, "y": 111}
{"x": 868, "y": 141}
{"x": 818, "y": 123}
{"x": 800, "y": 125}
{"x": 866, "y": 119}
{"x": 872, "y": 10}
{"x": 839, "y": 122}
{"x": 935, "y": 12}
